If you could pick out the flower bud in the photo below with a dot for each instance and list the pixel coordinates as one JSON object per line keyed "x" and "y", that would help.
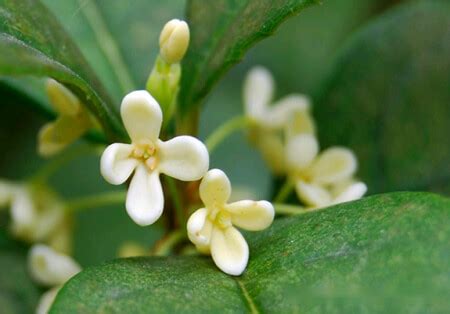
{"x": 174, "y": 41}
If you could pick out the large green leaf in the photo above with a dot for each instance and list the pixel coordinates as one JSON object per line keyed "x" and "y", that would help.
{"x": 221, "y": 32}
{"x": 386, "y": 253}
{"x": 388, "y": 99}
{"x": 18, "y": 294}
{"x": 32, "y": 42}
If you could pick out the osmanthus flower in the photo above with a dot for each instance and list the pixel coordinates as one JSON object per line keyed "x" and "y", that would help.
{"x": 270, "y": 120}
{"x": 50, "y": 269}
{"x": 183, "y": 157}
{"x": 36, "y": 214}
{"x": 72, "y": 122}
{"x": 322, "y": 179}
{"x": 212, "y": 229}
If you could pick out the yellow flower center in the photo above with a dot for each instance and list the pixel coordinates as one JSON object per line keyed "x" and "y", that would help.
{"x": 220, "y": 218}
{"x": 146, "y": 152}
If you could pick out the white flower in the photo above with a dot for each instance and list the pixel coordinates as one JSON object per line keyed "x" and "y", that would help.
{"x": 36, "y": 214}
{"x": 174, "y": 40}
{"x": 183, "y": 157}
{"x": 51, "y": 269}
{"x": 290, "y": 114}
{"x": 72, "y": 121}
{"x": 322, "y": 179}
{"x": 211, "y": 228}
{"x": 258, "y": 95}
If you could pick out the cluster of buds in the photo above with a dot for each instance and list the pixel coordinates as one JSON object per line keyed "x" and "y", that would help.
{"x": 285, "y": 134}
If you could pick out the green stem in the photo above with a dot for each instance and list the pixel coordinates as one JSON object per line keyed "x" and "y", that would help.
{"x": 225, "y": 130}
{"x": 92, "y": 201}
{"x": 176, "y": 199}
{"x": 57, "y": 162}
{"x": 166, "y": 245}
{"x": 284, "y": 192}
{"x": 108, "y": 45}
{"x": 287, "y": 209}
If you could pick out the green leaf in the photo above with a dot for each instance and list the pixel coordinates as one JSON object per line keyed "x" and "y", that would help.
{"x": 388, "y": 99}
{"x": 18, "y": 294}
{"x": 32, "y": 42}
{"x": 385, "y": 253}
{"x": 221, "y": 32}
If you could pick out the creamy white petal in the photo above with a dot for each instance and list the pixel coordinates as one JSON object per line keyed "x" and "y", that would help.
{"x": 229, "y": 250}
{"x": 271, "y": 146}
{"x": 49, "y": 267}
{"x": 62, "y": 99}
{"x": 281, "y": 111}
{"x": 215, "y": 188}
{"x": 352, "y": 192}
{"x": 183, "y": 157}
{"x": 199, "y": 228}
{"x": 251, "y": 215}
{"x": 6, "y": 192}
{"x": 258, "y": 92}
{"x": 48, "y": 218}
{"x": 300, "y": 123}
{"x": 312, "y": 194}
{"x": 23, "y": 212}
{"x": 333, "y": 165}
{"x": 116, "y": 165}
{"x": 46, "y": 300}
{"x": 301, "y": 151}
{"x": 142, "y": 116}
{"x": 145, "y": 199}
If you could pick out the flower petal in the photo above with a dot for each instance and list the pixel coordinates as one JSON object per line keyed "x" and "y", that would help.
{"x": 145, "y": 199}
{"x": 55, "y": 136}
{"x": 333, "y": 165}
{"x": 49, "y": 267}
{"x": 280, "y": 112}
{"x": 352, "y": 192}
{"x": 46, "y": 300}
{"x": 300, "y": 122}
{"x": 183, "y": 157}
{"x": 116, "y": 165}
{"x": 6, "y": 192}
{"x": 23, "y": 212}
{"x": 229, "y": 250}
{"x": 271, "y": 147}
{"x": 62, "y": 99}
{"x": 142, "y": 116}
{"x": 215, "y": 188}
{"x": 312, "y": 194}
{"x": 199, "y": 228}
{"x": 258, "y": 92}
{"x": 301, "y": 151}
{"x": 251, "y": 215}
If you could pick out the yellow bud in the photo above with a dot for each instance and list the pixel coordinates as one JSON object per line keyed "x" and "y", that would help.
{"x": 174, "y": 41}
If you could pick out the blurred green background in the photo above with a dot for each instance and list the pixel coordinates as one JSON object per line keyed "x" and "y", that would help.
{"x": 302, "y": 56}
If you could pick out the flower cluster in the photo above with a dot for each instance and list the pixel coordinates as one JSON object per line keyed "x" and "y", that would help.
{"x": 283, "y": 131}
{"x": 285, "y": 134}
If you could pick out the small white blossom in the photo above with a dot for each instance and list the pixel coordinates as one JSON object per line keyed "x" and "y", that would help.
{"x": 72, "y": 122}
{"x": 51, "y": 269}
{"x": 36, "y": 213}
{"x": 322, "y": 179}
{"x": 212, "y": 229}
{"x": 174, "y": 41}
{"x": 184, "y": 158}
{"x": 290, "y": 114}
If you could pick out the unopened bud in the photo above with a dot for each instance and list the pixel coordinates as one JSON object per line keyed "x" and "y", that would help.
{"x": 174, "y": 41}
